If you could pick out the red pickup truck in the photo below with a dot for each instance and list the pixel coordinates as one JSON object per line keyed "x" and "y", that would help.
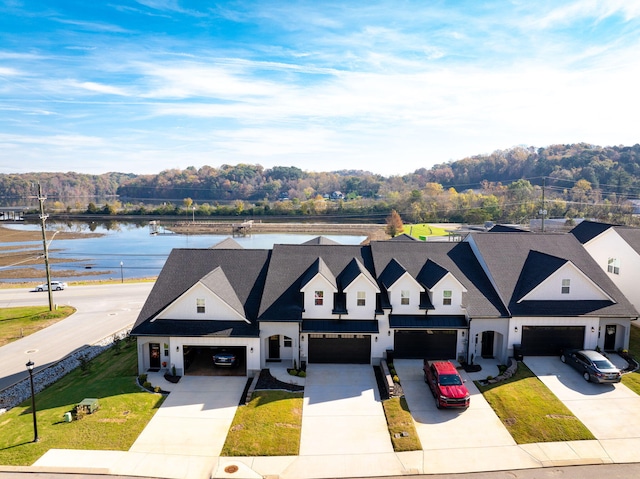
{"x": 446, "y": 385}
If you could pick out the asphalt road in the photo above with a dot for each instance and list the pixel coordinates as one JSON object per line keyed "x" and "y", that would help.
{"x": 102, "y": 310}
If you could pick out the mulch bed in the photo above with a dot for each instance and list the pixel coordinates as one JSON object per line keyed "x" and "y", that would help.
{"x": 267, "y": 381}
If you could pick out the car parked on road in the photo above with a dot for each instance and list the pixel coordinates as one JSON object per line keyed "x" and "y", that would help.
{"x": 225, "y": 358}
{"x": 592, "y": 365}
{"x": 446, "y": 385}
{"x": 55, "y": 286}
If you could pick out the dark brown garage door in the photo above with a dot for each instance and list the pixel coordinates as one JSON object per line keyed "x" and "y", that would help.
{"x": 340, "y": 348}
{"x": 550, "y": 340}
{"x": 435, "y": 344}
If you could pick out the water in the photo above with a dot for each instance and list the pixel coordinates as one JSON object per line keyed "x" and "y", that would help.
{"x": 128, "y": 250}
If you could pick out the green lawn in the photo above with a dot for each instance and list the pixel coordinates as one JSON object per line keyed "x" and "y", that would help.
{"x": 404, "y": 436}
{"x": 16, "y": 323}
{"x": 424, "y": 230}
{"x": 124, "y": 411}
{"x": 632, "y": 380}
{"x": 531, "y": 412}
{"x": 268, "y": 426}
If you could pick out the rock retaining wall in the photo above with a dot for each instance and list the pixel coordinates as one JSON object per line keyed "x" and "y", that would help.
{"x": 19, "y": 392}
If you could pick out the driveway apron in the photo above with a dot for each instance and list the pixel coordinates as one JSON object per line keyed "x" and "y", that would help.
{"x": 195, "y": 417}
{"x": 609, "y": 411}
{"x": 438, "y": 429}
{"x": 342, "y": 412}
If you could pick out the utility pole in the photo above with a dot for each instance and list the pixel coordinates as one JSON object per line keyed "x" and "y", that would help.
{"x": 43, "y": 218}
{"x": 543, "y": 211}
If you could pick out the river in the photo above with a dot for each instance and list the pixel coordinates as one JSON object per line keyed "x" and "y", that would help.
{"x": 128, "y": 250}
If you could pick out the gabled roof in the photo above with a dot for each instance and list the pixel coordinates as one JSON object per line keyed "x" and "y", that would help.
{"x": 456, "y": 258}
{"x": 216, "y": 281}
{"x": 320, "y": 240}
{"x": 537, "y": 267}
{"x": 508, "y": 257}
{"x": 431, "y": 273}
{"x": 244, "y": 269}
{"x": 228, "y": 243}
{"x": 391, "y": 273}
{"x": 631, "y": 236}
{"x": 289, "y": 267}
{"x": 507, "y": 229}
{"x": 403, "y": 237}
{"x": 587, "y": 230}
{"x": 319, "y": 268}
{"x": 354, "y": 270}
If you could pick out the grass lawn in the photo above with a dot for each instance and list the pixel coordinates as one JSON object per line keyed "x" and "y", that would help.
{"x": 424, "y": 230}
{"x": 268, "y": 426}
{"x": 531, "y": 412}
{"x": 16, "y": 323}
{"x": 632, "y": 380}
{"x": 124, "y": 411}
{"x": 400, "y": 421}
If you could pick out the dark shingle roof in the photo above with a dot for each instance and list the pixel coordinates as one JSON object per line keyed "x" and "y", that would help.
{"x": 227, "y": 243}
{"x": 244, "y": 269}
{"x": 319, "y": 267}
{"x": 320, "y": 240}
{"x": 509, "y": 258}
{"x": 403, "y": 237}
{"x": 587, "y": 230}
{"x": 391, "y": 273}
{"x": 631, "y": 236}
{"x": 457, "y": 258}
{"x": 507, "y": 229}
{"x": 289, "y": 266}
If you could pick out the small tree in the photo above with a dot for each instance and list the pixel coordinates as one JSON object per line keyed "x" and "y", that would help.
{"x": 394, "y": 224}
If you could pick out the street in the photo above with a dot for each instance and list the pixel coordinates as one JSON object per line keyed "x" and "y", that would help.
{"x": 102, "y": 310}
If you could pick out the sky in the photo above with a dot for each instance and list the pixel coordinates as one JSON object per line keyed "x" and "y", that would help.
{"x": 141, "y": 86}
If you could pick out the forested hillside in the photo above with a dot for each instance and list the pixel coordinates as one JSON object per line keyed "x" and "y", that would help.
{"x": 578, "y": 179}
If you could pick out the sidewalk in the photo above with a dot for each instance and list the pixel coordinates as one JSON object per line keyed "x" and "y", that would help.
{"x": 176, "y": 464}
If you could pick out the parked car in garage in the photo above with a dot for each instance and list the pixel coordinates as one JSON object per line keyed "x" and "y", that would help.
{"x": 55, "y": 286}
{"x": 446, "y": 385}
{"x": 592, "y": 365}
{"x": 225, "y": 358}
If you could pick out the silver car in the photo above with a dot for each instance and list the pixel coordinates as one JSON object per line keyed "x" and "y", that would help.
{"x": 594, "y": 366}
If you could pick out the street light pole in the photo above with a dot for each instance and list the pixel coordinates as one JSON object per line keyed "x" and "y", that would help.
{"x": 43, "y": 218}
{"x": 193, "y": 214}
{"x": 121, "y": 272}
{"x": 33, "y": 402}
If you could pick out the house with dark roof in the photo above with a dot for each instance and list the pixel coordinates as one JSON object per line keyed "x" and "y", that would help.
{"x": 322, "y": 302}
{"x": 616, "y": 250}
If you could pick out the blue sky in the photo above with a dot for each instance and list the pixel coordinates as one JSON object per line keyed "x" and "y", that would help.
{"x": 384, "y": 86}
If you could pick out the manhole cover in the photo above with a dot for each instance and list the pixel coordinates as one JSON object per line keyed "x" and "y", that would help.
{"x": 231, "y": 469}
{"x": 31, "y": 351}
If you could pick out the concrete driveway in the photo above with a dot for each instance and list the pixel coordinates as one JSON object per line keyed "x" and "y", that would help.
{"x": 342, "y": 413}
{"x": 609, "y": 411}
{"x": 449, "y": 429}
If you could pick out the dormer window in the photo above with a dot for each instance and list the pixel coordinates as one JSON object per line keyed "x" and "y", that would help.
{"x": 566, "y": 286}
{"x": 613, "y": 265}
{"x": 200, "y": 305}
{"x": 319, "y": 298}
{"x": 446, "y": 297}
{"x": 362, "y": 298}
{"x": 404, "y": 297}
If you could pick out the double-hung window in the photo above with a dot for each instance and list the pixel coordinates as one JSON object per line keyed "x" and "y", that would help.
{"x": 404, "y": 297}
{"x": 200, "y": 305}
{"x": 446, "y": 297}
{"x": 362, "y": 298}
{"x": 613, "y": 265}
{"x": 319, "y": 298}
{"x": 566, "y": 286}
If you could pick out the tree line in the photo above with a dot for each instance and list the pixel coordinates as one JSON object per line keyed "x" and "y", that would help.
{"x": 513, "y": 185}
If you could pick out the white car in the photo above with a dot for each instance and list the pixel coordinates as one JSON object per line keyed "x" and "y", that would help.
{"x": 55, "y": 286}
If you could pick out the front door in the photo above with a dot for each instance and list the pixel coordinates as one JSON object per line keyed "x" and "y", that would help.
{"x": 610, "y": 337}
{"x": 487, "y": 344}
{"x": 154, "y": 355}
{"x": 274, "y": 347}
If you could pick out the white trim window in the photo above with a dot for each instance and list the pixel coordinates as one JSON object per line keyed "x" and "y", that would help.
{"x": 319, "y": 298}
{"x": 613, "y": 265}
{"x": 446, "y": 297}
{"x": 200, "y": 306}
{"x": 404, "y": 297}
{"x": 362, "y": 298}
{"x": 566, "y": 286}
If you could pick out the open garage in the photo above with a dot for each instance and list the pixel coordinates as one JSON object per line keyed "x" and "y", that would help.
{"x": 425, "y": 344}
{"x": 551, "y": 340}
{"x": 198, "y": 361}
{"x": 340, "y": 348}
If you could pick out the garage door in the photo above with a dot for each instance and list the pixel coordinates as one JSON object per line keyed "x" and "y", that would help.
{"x": 435, "y": 344}
{"x": 550, "y": 340}
{"x": 340, "y": 348}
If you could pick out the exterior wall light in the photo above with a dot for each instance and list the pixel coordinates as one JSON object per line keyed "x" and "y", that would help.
{"x": 516, "y": 329}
